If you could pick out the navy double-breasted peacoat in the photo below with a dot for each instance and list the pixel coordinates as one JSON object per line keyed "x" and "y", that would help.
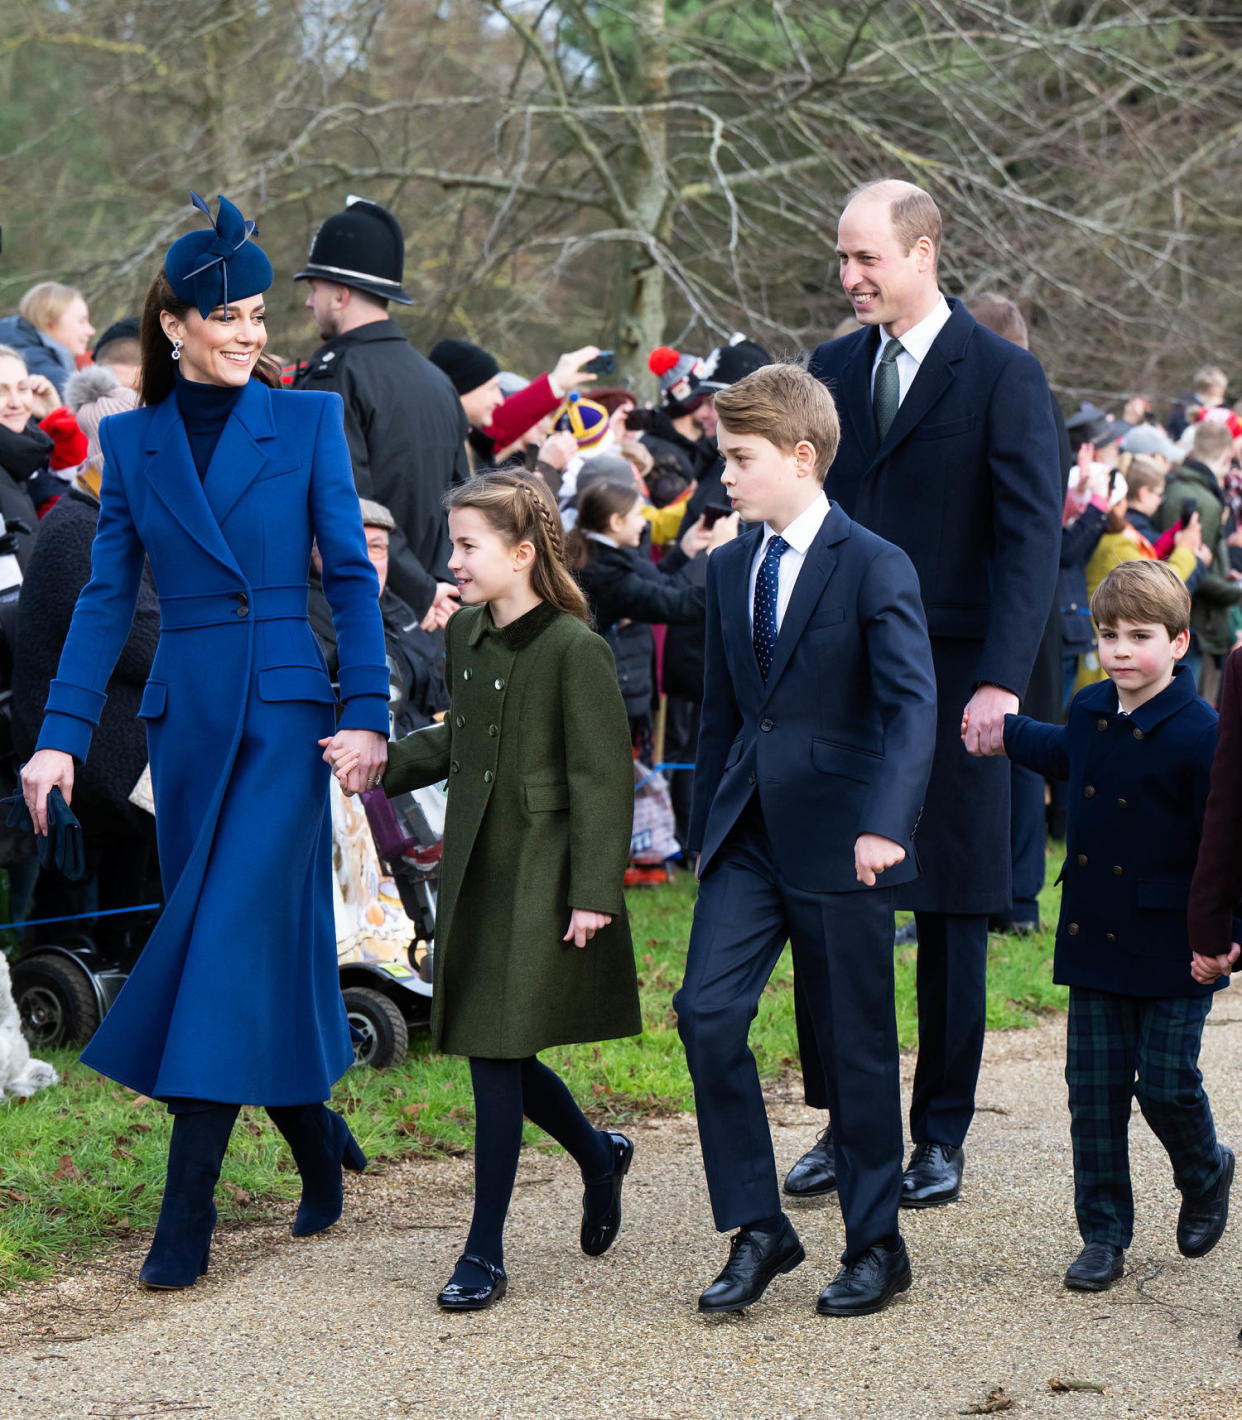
{"x": 967, "y": 482}
{"x": 1138, "y": 785}
{"x": 235, "y": 997}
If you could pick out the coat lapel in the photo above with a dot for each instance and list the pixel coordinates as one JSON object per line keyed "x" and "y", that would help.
{"x": 854, "y": 399}
{"x": 936, "y": 373}
{"x": 242, "y": 451}
{"x": 818, "y": 565}
{"x": 174, "y": 480}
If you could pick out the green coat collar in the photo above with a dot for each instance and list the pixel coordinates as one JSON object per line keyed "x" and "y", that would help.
{"x": 518, "y": 634}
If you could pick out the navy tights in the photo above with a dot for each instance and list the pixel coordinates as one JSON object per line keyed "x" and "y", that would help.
{"x": 504, "y": 1091}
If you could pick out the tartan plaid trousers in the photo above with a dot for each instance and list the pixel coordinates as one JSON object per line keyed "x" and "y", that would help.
{"x": 1147, "y": 1048}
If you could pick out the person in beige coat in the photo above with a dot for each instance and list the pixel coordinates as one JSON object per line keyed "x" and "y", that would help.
{"x": 532, "y": 943}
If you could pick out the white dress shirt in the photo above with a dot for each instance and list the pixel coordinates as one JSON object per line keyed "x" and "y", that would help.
{"x": 915, "y": 344}
{"x": 800, "y": 534}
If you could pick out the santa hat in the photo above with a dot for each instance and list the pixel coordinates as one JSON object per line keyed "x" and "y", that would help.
{"x": 68, "y": 441}
{"x": 586, "y": 421}
{"x": 93, "y": 393}
{"x": 679, "y": 377}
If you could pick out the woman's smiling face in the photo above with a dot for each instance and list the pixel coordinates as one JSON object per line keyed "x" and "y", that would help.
{"x": 16, "y": 400}
{"x": 223, "y": 347}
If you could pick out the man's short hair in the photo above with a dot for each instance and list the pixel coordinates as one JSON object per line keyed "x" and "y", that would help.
{"x": 784, "y": 404}
{"x": 120, "y": 351}
{"x": 1211, "y": 440}
{"x": 1142, "y": 473}
{"x": 1209, "y": 378}
{"x": 912, "y": 211}
{"x": 1001, "y": 315}
{"x": 1143, "y": 593}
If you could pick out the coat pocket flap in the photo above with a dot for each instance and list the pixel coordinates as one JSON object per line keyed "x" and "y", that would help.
{"x": 154, "y": 700}
{"x": 1169, "y": 894}
{"x": 831, "y": 758}
{"x": 544, "y": 798}
{"x": 295, "y": 683}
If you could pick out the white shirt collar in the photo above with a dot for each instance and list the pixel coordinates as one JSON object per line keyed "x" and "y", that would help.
{"x": 917, "y": 341}
{"x": 801, "y": 533}
{"x": 604, "y": 538}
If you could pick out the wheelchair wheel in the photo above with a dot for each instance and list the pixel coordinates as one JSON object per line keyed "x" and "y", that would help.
{"x": 385, "y": 1038}
{"x": 55, "y": 1000}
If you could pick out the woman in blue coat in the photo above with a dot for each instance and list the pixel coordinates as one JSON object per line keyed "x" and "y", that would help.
{"x": 222, "y": 482}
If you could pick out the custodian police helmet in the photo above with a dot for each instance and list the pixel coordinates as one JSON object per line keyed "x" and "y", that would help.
{"x": 362, "y": 247}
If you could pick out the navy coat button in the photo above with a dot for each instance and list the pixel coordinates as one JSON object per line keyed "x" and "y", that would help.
{"x": 488, "y": 776}
{"x": 467, "y": 673}
{"x": 1072, "y": 929}
{"x": 754, "y": 779}
{"x": 1101, "y": 724}
{"x": 499, "y": 683}
{"x": 1089, "y": 792}
{"x": 1138, "y": 734}
{"x": 1110, "y": 936}
{"x": 493, "y": 730}
{"x": 765, "y": 724}
{"x": 1082, "y": 860}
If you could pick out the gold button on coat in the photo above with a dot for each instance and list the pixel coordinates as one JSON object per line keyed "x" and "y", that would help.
{"x": 1072, "y": 929}
{"x": 1082, "y": 860}
{"x": 1089, "y": 792}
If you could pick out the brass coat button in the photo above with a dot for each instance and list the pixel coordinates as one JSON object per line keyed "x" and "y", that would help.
{"x": 1072, "y": 929}
{"x": 1082, "y": 860}
{"x": 1089, "y": 792}
{"x": 1110, "y": 936}
{"x": 1101, "y": 724}
{"x": 1121, "y": 804}
{"x": 1117, "y": 870}
{"x": 1138, "y": 734}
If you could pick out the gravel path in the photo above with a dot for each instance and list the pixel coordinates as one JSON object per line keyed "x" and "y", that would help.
{"x": 345, "y": 1326}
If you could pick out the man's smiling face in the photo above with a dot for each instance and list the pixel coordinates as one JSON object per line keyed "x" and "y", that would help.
{"x": 886, "y": 284}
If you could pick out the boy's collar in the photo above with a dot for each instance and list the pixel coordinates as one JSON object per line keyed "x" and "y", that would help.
{"x": 1174, "y": 697}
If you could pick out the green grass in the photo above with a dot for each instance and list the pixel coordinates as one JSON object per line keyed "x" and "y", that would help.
{"x": 81, "y": 1165}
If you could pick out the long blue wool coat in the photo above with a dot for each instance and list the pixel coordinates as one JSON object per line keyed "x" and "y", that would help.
{"x": 235, "y": 997}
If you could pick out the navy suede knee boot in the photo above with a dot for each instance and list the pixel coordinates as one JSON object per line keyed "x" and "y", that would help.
{"x": 182, "y": 1243}
{"x": 321, "y": 1144}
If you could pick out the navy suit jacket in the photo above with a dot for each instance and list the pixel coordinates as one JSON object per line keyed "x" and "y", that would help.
{"x": 839, "y": 741}
{"x": 1138, "y": 786}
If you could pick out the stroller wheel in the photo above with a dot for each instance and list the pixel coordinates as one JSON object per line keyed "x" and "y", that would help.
{"x": 385, "y": 1038}
{"x": 54, "y": 999}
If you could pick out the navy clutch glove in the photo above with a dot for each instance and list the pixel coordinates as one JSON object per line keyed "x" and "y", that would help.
{"x": 62, "y": 847}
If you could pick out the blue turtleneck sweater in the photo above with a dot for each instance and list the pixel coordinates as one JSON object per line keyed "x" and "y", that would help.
{"x": 205, "y": 410}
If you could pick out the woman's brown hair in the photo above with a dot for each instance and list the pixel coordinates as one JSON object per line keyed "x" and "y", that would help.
{"x": 597, "y": 503}
{"x": 158, "y": 376}
{"x": 521, "y": 509}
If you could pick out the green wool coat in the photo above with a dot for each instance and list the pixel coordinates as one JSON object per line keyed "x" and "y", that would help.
{"x": 536, "y": 751}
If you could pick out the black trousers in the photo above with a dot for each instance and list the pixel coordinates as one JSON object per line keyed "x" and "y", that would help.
{"x": 843, "y": 953}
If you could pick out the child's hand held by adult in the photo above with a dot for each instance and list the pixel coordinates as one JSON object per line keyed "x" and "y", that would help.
{"x": 874, "y": 853}
{"x": 1206, "y": 970}
{"x": 584, "y": 925}
{"x": 358, "y": 758}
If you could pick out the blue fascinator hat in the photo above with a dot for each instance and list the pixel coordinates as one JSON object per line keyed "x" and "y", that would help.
{"x": 209, "y": 268}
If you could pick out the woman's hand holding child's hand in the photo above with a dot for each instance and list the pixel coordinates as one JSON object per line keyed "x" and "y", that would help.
{"x": 584, "y": 925}
{"x": 358, "y": 758}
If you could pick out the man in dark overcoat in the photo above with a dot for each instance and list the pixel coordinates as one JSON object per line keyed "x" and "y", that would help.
{"x": 949, "y": 450}
{"x": 403, "y": 420}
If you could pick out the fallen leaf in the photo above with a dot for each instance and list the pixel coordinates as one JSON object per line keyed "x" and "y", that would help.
{"x": 997, "y": 1400}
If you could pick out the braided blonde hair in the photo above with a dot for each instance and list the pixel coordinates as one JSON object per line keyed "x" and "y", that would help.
{"x": 521, "y": 509}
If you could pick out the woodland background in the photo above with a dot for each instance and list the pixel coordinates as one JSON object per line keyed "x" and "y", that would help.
{"x": 624, "y": 172}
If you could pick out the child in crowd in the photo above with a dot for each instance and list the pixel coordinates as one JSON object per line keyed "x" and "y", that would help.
{"x": 1209, "y": 405}
{"x": 626, "y": 591}
{"x": 536, "y": 752}
{"x": 1137, "y": 752}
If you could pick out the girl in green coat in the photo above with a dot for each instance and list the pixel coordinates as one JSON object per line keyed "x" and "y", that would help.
{"x": 532, "y": 943}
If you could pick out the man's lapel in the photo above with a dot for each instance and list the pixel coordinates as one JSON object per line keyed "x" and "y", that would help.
{"x": 936, "y": 373}
{"x": 854, "y": 395}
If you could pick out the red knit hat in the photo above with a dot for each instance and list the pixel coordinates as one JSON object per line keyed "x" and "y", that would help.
{"x": 679, "y": 377}
{"x": 68, "y": 441}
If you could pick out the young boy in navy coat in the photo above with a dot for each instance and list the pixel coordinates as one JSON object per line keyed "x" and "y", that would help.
{"x": 818, "y": 727}
{"x": 1137, "y": 752}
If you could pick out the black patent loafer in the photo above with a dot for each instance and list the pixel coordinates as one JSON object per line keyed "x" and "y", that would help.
{"x": 868, "y": 1283}
{"x": 933, "y": 1176}
{"x": 1201, "y": 1221}
{"x": 1096, "y": 1268}
{"x": 755, "y": 1258}
{"x": 597, "y": 1238}
{"x": 815, "y": 1173}
{"x": 456, "y": 1298}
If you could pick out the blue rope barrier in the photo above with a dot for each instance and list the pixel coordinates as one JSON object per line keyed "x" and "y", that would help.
{"x": 81, "y": 916}
{"x": 659, "y": 769}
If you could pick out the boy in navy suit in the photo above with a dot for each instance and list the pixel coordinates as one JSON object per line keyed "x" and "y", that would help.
{"x": 1137, "y": 752}
{"x": 818, "y": 727}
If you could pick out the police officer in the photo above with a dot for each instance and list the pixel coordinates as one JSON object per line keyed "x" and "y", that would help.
{"x": 403, "y": 419}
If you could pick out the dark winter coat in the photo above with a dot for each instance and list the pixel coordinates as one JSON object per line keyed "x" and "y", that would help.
{"x": 694, "y": 457}
{"x": 1138, "y": 784}
{"x": 407, "y": 439}
{"x": 536, "y": 751}
{"x": 622, "y": 584}
{"x": 59, "y": 570}
{"x": 968, "y": 483}
{"x": 42, "y": 355}
{"x": 21, "y": 457}
{"x": 1214, "y": 594}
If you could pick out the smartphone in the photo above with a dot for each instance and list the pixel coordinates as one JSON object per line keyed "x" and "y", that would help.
{"x": 603, "y": 364}
{"x": 1189, "y": 508}
{"x": 713, "y": 512}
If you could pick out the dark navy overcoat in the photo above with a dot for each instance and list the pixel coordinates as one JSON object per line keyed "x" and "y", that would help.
{"x": 235, "y": 997}
{"x": 968, "y": 483}
{"x": 1138, "y": 785}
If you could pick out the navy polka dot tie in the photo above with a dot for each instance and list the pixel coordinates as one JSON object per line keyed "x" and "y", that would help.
{"x": 767, "y": 584}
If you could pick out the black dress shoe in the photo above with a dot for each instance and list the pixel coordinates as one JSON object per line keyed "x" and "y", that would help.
{"x": 868, "y": 1283}
{"x": 1201, "y": 1221}
{"x": 907, "y": 935}
{"x": 456, "y": 1298}
{"x": 1096, "y": 1268}
{"x": 815, "y": 1173}
{"x": 754, "y": 1259}
{"x": 598, "y": 1237}
{"x": 933, "y": 1176}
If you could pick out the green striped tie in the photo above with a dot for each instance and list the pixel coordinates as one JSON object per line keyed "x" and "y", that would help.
{"x": 886, "y": 393}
